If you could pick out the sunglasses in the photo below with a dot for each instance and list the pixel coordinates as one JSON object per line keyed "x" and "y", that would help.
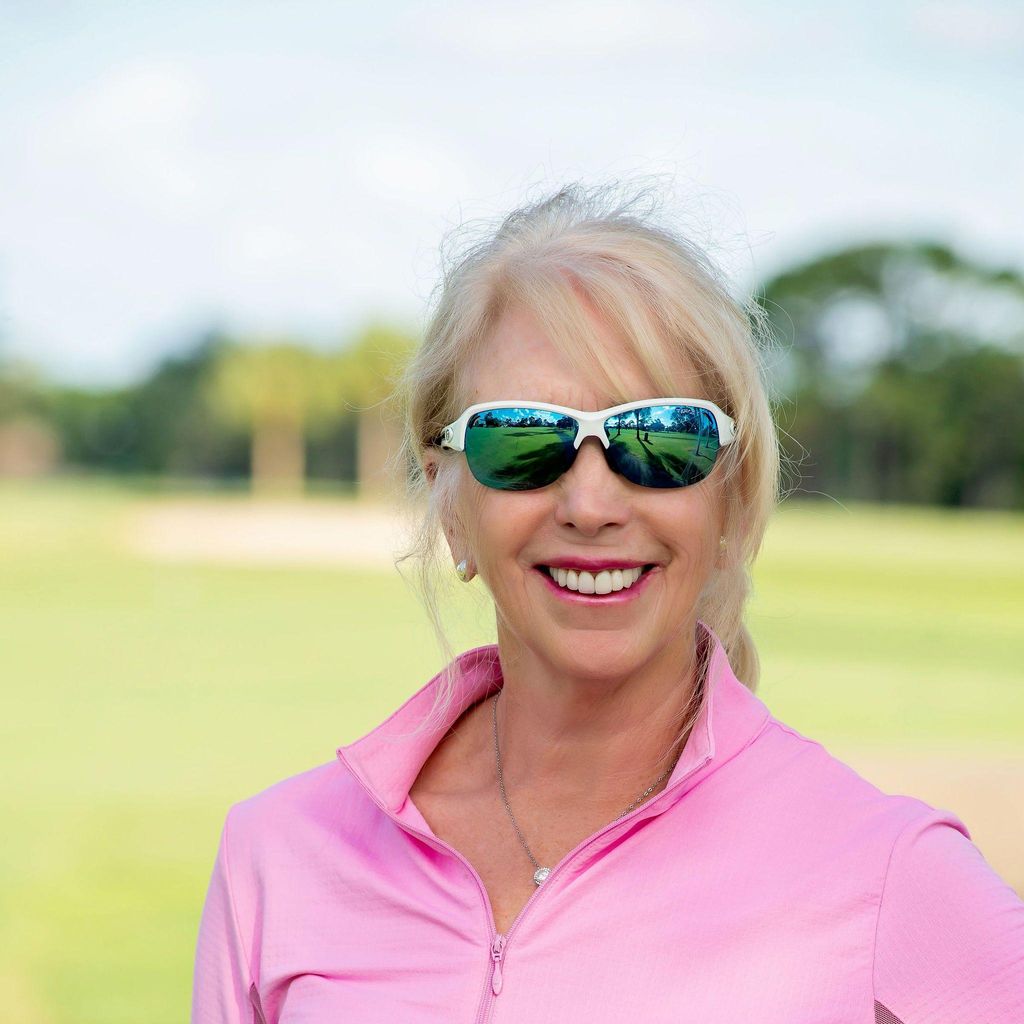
{"x": 520, "y": 446}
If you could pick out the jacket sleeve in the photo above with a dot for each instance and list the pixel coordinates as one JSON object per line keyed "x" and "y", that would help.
{"x": 950, "y": 933}
{"x": 221, "y": 980}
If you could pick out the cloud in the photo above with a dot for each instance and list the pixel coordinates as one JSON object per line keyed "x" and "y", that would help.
{"x": 400, "y": 165}
{"x": 131, "y": 132}
{"x": 574, "y": 29}
{"x": 981, "y": 28}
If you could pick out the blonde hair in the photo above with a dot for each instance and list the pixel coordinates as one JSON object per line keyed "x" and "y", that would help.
{"x": 665, "y": 296}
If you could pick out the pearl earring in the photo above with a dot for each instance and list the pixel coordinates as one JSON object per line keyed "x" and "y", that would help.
{"x": 462, "y": 571}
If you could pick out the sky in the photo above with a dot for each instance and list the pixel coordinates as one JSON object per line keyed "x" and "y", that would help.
{"x": 293, "y": 168}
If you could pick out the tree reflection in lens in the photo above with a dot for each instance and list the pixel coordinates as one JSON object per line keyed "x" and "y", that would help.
{"x": 655, "y": 446}
{"x": 519, "y": 449}
{"x": 663, "y": 445}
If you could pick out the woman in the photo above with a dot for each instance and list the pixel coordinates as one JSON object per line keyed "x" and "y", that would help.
{"x": 597, "y": 818}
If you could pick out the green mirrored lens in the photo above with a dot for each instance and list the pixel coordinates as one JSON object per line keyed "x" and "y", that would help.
{"x": 663, "y": 445}
{"x": 519, "y": 449}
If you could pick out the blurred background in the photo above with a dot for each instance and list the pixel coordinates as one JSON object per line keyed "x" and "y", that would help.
{"x": 219, "y": 232}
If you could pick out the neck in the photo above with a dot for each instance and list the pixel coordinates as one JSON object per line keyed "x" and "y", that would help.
{"x": 590, "y": 739}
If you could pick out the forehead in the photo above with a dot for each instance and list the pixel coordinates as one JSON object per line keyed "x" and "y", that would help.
{"x": 519, "y": 360}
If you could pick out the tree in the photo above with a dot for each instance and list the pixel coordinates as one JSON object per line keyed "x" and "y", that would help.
{"x": 177, "y": 430}
{"x": 278, "y": 390}
{"x": 368, "y": 371}
{"x": 872, "y": 336}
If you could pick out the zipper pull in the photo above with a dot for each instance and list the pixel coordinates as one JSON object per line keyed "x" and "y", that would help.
{"x": 497, "y": 952}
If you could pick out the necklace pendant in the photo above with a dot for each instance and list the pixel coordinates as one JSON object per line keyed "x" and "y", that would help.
{"x": 540, "y": 874}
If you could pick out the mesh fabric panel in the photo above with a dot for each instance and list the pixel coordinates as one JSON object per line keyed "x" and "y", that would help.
{"x": 883, "y": 1015}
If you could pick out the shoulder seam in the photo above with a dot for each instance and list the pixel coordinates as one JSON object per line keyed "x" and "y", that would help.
{"x": 762, "y": 728}
{"x": 881, "y": 895}
{"x": 772, "y": 720}
{"x": 231, "y": 900}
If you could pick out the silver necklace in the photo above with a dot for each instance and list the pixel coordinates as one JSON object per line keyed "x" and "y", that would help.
{"x": 541, "y": 873}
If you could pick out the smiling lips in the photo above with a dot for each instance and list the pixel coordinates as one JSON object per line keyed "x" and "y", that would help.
{"x": 605, "y": 581}
{"x": 592, "y": 577}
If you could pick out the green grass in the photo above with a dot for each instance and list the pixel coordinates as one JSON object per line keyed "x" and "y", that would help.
{"x": 142, "y": 698}
{"x": 894, "y": 624}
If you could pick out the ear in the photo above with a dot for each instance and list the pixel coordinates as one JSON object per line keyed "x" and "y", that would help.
{"x": 452, "y": 532}
{"x": 452, "y": 536}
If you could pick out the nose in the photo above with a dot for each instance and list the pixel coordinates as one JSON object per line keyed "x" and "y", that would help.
{"x": 590, "y": 495}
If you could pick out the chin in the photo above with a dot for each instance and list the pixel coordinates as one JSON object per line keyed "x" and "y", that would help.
{"x": 591, "y": 653}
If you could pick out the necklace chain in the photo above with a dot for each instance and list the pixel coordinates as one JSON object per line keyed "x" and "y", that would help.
{"x": 541, "y": 873}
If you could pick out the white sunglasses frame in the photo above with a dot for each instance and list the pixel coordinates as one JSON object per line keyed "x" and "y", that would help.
{"x": 453, "y": 437}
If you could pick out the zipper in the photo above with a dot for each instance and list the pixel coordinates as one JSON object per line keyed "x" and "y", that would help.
{"x": 497, "y": 952}
{"x": 483, "y": 1013}
{"x": 495, "y": 979}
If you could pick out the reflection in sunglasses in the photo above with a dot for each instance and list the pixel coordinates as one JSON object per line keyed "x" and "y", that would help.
{"x": 654, "y": 446}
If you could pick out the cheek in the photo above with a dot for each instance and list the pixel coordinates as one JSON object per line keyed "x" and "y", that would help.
{"x": 480, "y": 506}
{"x": 690, "y": 525}
{"x": 503, "y": 525}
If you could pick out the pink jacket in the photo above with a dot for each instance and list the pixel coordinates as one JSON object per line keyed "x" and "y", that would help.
{"x": 768, "y": 882}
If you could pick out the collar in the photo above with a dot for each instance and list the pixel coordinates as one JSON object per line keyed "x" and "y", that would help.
{"x": 387, "y": 760}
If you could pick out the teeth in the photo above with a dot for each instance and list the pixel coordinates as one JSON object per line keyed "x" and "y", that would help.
{"x": 608, "y": 581}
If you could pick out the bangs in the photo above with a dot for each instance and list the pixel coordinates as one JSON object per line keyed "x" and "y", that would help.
{"x": 565, "y": 299}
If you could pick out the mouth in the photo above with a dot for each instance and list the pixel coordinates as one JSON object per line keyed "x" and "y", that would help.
{"x": 596, "y": 585}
